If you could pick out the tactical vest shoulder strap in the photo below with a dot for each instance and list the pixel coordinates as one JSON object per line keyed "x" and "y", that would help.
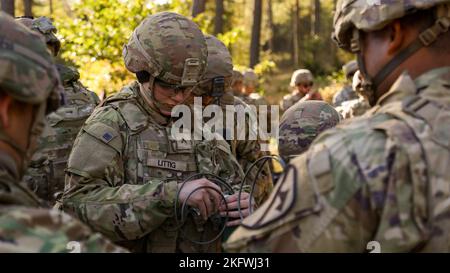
{"x": 125, "y": 103}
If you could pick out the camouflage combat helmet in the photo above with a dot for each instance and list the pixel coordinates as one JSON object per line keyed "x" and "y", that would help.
{"x": 219, "y": 69}
{"x": 353, "y": 16}
{"x": 44, "y": 26}
{"x": 27, "y": 74}
{"x": 169, "y": 47}
{"x": 301, "y": 76}
{"x": 302, "y": 123}
{"x": 237, "y": 76}
{"x": 250, "y": 78}
{"x": 350, "y": 69}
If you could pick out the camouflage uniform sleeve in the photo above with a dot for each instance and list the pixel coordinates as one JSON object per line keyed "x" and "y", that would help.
{"x": 43, "y": 230}
{"x": 248, "y": 152}
{"x": 98, "y": 191}
{"x": 332, "y": 199}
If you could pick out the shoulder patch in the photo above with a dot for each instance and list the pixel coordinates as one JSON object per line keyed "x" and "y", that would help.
{"x": 107, "y": 137}
{"x": 105, "y": 134}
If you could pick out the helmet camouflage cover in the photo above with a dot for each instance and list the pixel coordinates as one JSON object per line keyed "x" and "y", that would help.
{"x": 237, "y": 76}
{"x": 250, "y": 78}
{"x": 302, "y": 123}
{"x": 372, "y": 15}
{"x": 44, "y": 26}
{"x": 301, "y": 76}
{"x": 219, "y": 68}
{"x": 169, "y": 47}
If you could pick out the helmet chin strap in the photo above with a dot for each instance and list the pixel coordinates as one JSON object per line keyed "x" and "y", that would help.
{"x": 148, "y": 96}
{"x": 425, "y": 39}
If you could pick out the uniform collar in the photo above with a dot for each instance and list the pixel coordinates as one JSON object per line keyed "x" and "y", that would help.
{"x": 154, "y": 114}
{"x": 405, "y": 86}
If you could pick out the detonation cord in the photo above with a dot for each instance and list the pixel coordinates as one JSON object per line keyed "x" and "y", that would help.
{"x": 226, "y": 187}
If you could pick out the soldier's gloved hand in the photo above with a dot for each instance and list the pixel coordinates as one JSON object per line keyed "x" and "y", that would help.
{"x": 205, "y": 199}
{"x": 232, "y": 202}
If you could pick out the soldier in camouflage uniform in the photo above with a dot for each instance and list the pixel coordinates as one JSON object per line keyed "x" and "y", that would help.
{"x": 347, "y": 93}
{"x": 252, "y": 98}
{"x": 45, "y": 175}
{"x": 29, "y": 87}
{"x": 125, "y": 171}
{"x": 249, "y": 94}
{"x": 381, "y": 178}
{"x": 355, "y": 107}
{"x": 237, "y": 83}
{"x": 302, "y": 81}
{"x": 214, "y": 88}
{"x": 301, "y": 124}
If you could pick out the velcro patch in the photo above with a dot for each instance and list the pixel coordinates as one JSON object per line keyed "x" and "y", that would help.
{"x": 107, "y": 137}
{"x": 172, "y": 164}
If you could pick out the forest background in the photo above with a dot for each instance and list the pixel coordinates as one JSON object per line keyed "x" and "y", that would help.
{"x": 275, "y": 37}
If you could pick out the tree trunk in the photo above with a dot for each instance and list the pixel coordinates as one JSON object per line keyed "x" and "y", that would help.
{"x": 218, "y": 20}
{"x": 271, "y": 26}
{"x": 198, "y": 7}
{"x": 8, "y": 6}
{"x": 316, "y": 17}
{"x": 296, "y": 32}
{"x": 28, "y": 7}
{"x": 256, "y": 33}
{"x": 67, "y": 8}
{"x": 51, "y": 7}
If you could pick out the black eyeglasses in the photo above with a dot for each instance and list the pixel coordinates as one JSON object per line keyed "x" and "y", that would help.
{"x": 172, "y": 90}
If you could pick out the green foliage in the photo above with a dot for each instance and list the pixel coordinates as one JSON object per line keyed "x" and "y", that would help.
{"x": 93, "y": 40}
{"x": 93, "y": 33}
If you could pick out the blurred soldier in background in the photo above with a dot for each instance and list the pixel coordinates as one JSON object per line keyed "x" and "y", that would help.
{"x": 249, "y": 89}
{"x": 215, "y": 89}
{"x": 302, "y": 81}
{"x": 237, "y": 84}
{"x": 45, "y": 175}
{"x": 347, "y": 93}
{"x": 355, "y": 107}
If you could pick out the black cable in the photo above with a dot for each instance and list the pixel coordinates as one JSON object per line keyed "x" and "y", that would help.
{"x": 253, "y": 184}
{"x": 213, "y": 178}
{"x": 224, "y": 225}
{"x": 180, "y": 219}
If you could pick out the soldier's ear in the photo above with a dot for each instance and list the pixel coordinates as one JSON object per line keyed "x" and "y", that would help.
{"x": 5, "y": 105}
{"x": 397, "y": 35}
